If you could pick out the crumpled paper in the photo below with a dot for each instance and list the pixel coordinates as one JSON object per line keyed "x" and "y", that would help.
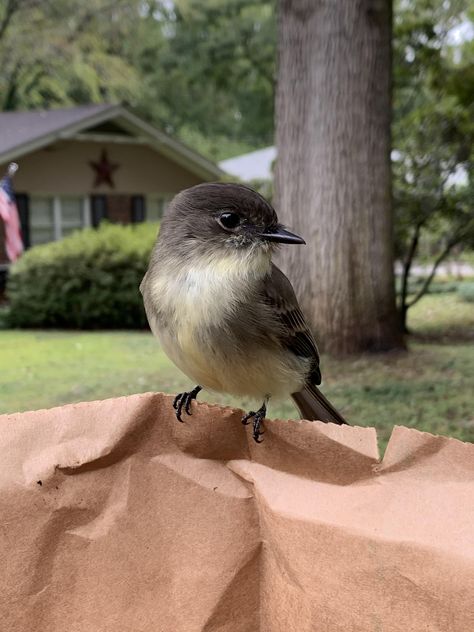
{"x": 117, "y": 518}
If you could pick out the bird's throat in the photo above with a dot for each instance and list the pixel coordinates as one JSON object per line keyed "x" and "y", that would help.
{"x": 207, "y": 289}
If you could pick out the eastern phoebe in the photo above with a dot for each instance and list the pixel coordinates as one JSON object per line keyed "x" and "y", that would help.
{"x": 223, "y": 312}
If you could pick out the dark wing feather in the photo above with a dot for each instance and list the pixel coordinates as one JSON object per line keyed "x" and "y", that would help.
{"x": 295, "y": 334}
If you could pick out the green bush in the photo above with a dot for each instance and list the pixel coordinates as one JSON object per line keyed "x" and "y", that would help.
{"x": 437, "y": 286}
{"x": 88, "y": 280}
{"x": 466, "y": 292}
{"x": 4, "y": 317}
{"x": 443, "y": 287}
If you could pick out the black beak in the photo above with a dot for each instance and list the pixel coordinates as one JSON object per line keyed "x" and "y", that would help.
{"x": 282, "y": 235}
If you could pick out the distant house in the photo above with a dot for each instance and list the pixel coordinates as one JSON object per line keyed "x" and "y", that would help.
{"x": 256, "y": 165}
{"x": 82, "y": 164}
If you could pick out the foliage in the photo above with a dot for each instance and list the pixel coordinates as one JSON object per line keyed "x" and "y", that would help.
{"x": 65, "y": 52}
{"x": 433, "y": 133}
{"x": 208, "y": 71}
{"x": 4, "y": 316}
{"x": 466, "y": 292}
{"x": 88, "y": 280}
{"x": 436, "y": 287}
{"x": 203, "y": 71}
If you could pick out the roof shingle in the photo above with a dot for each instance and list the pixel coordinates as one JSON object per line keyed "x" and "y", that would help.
{"x": 19, "y": 128}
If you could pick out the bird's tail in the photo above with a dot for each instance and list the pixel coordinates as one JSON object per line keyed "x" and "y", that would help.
{"x": 314, "y": 406}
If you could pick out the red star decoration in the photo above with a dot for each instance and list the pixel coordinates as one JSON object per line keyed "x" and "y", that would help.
{"x": 103, "y": 170}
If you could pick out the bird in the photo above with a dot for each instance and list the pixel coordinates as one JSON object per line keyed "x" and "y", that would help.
{"x": 223, "y": 312}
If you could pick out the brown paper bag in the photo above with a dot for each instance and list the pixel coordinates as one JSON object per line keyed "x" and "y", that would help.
{"x": 117, "y": 518}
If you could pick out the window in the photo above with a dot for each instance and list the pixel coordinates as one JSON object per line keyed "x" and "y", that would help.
{"x": 156, "y": 206}
{"x": 71, "y": 214}
{"x": 41, "y": 220}
{"x": 53, "y": 217}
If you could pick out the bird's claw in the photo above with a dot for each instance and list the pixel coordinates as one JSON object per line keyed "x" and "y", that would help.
{"x": 178, "y": 404}
{"x": 184, "y": 399}
{"x": 246, "y": 418}
{"x": 258, "y": 416}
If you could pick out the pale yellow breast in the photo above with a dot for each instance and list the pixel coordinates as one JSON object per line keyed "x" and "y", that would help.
{"x": 207, "y": 290}
{"x": 262, "y": 372}
{"x": 205, "y": 294}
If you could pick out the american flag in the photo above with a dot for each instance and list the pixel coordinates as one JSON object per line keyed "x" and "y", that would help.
{"x": 9, "y": 213}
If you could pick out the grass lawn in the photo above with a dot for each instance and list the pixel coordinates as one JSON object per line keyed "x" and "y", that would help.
{"x": 430, "y": 387}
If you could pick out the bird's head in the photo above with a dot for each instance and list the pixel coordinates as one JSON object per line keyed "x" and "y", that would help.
{"x": 224, "y": 216}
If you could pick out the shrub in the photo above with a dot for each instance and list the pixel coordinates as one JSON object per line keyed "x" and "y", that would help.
{"x": 437, "y": 286}
{"x": 443, "y": 287}
{"x": 4, "y": 317}
{"x": 466, "y": 292}
{"x": 88, "y": 280}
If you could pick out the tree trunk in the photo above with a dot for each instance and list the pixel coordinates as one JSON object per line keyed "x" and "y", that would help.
{"x": 402, "y": 314}
{"x": 333, "y": 177}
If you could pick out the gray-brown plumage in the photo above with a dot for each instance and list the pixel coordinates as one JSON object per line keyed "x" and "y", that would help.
{"x": 223, "y": 312}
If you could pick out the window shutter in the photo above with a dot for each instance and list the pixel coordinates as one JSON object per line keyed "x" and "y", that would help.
{"x": 138, "y": 208}
{"x": 23, "y": 206}
{"x": 98, "y": 209}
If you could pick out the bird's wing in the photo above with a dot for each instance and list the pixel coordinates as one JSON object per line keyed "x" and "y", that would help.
{"x": 295, "y": 334}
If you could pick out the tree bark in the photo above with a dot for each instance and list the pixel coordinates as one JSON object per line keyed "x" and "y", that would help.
{"x": 333, "y": 176}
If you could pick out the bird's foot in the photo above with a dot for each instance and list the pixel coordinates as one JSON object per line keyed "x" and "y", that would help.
{"x": 258, "y": 416}
{"x": 185, "y": 399}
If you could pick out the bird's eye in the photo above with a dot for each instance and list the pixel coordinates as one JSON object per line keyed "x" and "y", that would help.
{"x": 229, "y": 220}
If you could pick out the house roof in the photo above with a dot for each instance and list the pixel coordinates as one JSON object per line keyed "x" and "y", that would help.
{"x": 256, "y": 165}
{"x": 24, "y": 132}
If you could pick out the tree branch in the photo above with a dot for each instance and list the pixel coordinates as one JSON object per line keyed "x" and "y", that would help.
{"x": 88, "y": 16}
{"x": 12, "y": 7}
{"x": 407, "y": 265}
{"x": 8, "y": 102}
{"x": 10, "y": 10}
{"x": 455, "y": 240}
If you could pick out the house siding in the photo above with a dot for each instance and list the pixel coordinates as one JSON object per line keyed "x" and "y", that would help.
{"x": 63, "y": 168}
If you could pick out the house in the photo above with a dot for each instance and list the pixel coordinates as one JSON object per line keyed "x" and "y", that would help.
{"x": 82, "y": 164}
{"x": 256, "y": 165}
